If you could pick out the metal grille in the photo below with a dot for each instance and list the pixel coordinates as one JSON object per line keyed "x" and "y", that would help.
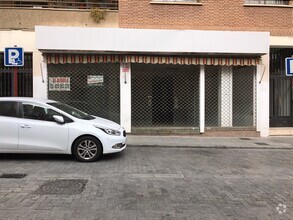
{"x": 6, "y": 83}
{"x": 24, "y": 76}
{"x": 212, "y": 89}
{"x": 165, "y": 95}
{"x": 243, "y": 96}
{"x": 280, "y": 84}
{"x": 25, "y": 83}
{"x": 101, "y": 98}
{"x": 230, "y": 96}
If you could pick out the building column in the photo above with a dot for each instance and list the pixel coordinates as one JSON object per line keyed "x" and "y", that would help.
{"x": 202, "y": 99}
{"x": 125, "y": 96}
{"x": 263, "y": 97}
{"x": 226, "y": 96}
{"x": 40, "y": 76}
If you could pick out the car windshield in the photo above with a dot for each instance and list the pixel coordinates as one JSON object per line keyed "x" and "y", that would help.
{"x": 71, "y": 111}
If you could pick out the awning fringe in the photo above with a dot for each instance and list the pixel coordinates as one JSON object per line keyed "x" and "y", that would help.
{"x": 85, "y": 58}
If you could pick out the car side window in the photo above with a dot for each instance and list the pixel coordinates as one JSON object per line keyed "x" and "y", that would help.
{"x": 27, "y": 110}
{"x": 8, "y": 108}
{"x": 34, "y": 111}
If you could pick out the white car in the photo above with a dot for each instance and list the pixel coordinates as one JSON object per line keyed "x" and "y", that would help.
{"x": 30, "y": 125}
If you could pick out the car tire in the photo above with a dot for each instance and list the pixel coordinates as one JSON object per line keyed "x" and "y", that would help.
{"x": 87, "y": 149}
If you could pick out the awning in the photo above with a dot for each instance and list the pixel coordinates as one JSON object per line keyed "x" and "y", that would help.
{"x": 148, "y": 59}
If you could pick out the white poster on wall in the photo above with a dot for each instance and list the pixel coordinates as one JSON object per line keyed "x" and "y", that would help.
{"x": 95, "y": 80}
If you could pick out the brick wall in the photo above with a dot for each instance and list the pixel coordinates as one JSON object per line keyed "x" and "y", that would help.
{"x": 211, "y": 15}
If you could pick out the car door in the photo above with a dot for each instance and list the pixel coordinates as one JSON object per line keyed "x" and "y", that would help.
{"x": 8, "y": 125}
{"x": 39, "y": 132}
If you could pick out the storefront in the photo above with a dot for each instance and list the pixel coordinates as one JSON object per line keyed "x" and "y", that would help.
{"x": 91, "y": 86}
{"x": 165, "y": 97}
{"x": 152, "y": 84}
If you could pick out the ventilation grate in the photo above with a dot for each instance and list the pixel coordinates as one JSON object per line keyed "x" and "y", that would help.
{"x": 261, "y": 144}
{"x": 13, "y": 175}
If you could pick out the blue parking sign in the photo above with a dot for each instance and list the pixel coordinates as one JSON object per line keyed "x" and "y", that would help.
{"x": 13, "y": 56}
{"x": 289, "y": 66}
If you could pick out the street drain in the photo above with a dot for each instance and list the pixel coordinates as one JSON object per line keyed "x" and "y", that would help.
{"x": 63, "y": 187}
{"x": 245, "y": 139}
{"x": 261, "y": 144}
{"x": 13, "y": 175}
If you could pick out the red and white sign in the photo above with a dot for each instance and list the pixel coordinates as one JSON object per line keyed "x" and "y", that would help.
{"x": 125, "y": 67}
{"x": 59, "y": 83}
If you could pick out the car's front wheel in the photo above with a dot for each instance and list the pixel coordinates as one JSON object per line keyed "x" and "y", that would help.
{"x": 87, "y": 149}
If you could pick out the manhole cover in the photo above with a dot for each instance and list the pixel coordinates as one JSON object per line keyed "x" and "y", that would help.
{"x": 64, "y": 187}
{"x": 13, "y": 175}
{"x": 245, "y": 139}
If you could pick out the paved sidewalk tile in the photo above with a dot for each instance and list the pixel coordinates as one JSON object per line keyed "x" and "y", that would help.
{"x": 211, "y": 142}
{"x": 152, "y": 183}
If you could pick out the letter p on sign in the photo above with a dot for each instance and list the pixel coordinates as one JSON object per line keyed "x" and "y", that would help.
{"x": 13, "y": 56}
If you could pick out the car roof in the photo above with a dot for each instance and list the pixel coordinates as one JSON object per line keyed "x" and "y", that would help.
{"x": 20, "y": 99}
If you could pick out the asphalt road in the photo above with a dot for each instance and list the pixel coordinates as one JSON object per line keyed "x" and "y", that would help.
{"x": 150, "y": 183}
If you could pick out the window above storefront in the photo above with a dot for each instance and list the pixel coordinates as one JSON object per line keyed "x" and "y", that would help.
{"x": 268, "y": 2}
{"x": 60, "y": 4}
{"x": 193, "y": 2}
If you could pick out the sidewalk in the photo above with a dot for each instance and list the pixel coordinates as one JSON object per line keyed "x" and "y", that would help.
{"x": 275, "y": 142}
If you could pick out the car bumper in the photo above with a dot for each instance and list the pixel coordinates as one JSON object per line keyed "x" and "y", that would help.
{"x": 115, "y": 144}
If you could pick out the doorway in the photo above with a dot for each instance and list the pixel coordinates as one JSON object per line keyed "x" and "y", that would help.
{"x": 164, "y": 97}
{"x": 281, "y": 89}
{"x": 162, "y": 106}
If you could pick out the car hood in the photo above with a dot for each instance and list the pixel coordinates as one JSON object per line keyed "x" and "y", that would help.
{"x": 104, "y": 123}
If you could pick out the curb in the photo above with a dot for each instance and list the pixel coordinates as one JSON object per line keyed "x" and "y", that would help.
{"x": 213, "y": 147}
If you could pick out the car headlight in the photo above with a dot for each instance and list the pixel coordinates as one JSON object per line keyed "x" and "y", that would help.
{"x": 110, "y": 131}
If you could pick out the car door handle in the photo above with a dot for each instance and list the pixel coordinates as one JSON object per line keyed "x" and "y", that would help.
{"x": 25, "y": 126}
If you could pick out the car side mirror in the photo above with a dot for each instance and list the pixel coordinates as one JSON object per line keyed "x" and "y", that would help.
{"x": 59, "y": 119}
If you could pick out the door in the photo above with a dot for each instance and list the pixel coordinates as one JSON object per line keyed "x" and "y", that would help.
{"x": 39, "y": 132}
{"x": 281, "y": 89}
{"x": 162, "y": 108}
{"x": 8, "y": 125}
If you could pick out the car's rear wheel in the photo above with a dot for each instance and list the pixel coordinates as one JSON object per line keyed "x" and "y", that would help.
{"x": 87, "y": 149}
